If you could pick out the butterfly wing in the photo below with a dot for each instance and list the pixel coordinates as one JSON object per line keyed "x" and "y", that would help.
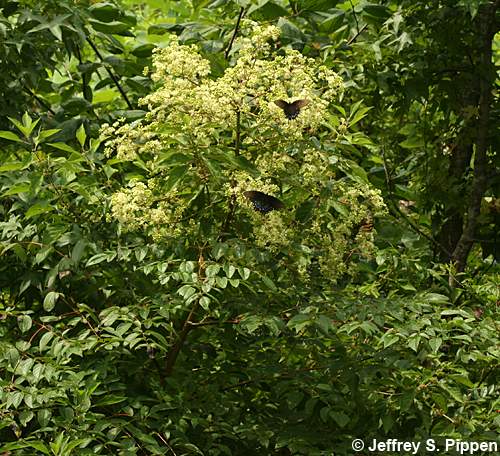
{"x": 291, "y": 110}
{"x": 282, "y": 104}
{"x": 299, "y": 104}
{"x": 263, "y": 202}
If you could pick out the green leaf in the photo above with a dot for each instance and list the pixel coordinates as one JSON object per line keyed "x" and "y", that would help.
{"x": 340, "y": 418}
{"x": 24, "y": 322}
{"x": 251, "y": 323}
{"x": 62, "y": 146}
{"x": 43, "y": 416}
{"x": 78, "y": 250}
{"x": 389, "y": 339}
{"x": 143, "y": 50}
{"x": 289, "y": 31}
{"x": 359, "y": 114}
{"x": 221, "y": 282}
{"x": 186, "y": 291}
{"x": 462, "y": 379}
{"x": 315, "y": 5}
{"x": 39, "y": 208}
{"x": 436, "y": 298}
{"x": 324, "y": 323}
{"x": 50, "y": 300}
{"x": 299, "y": 322}
{"x": 267, "y": 10}
{"x": 268, "y": 283}
{"x": 18, "y": 188}
{"x": 81, "y": 136}
{"x": 105, "y": 11}
{"x": 229, "y": 270}
{"x": 161, "y": 29}
{"x": 435, "y": 344}
{"x": 244, "y": 273}
{"x": 44, "y": 134}
{"x": 44, "y": 340}
{"x": 380, "y": 13}
{"x": 113, "y": 27}
{"x": 14, "y": 399}
{"x": 205, "y": 302}
{"x": 413, "y": 142}
{"x": 13, "y": 166}
{"x": 212, "y": 270}
{"x": 100, "y": 257}
{"x": 175, "y": 175}
{"x": 13, "y": 357}
{"x": 25, "y": 417}
{"x": 414, "y": 341}
{"x": 110, "y": 400}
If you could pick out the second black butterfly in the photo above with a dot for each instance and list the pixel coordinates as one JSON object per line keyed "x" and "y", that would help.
{"x": 263, "y": 202}
{"x": 291, "y": 110}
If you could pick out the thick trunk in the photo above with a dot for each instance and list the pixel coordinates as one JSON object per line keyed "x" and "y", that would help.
{"x": 487, "y": 28}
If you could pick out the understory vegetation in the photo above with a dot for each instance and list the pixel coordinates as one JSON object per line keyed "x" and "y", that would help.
{"x": 248, "y": 227}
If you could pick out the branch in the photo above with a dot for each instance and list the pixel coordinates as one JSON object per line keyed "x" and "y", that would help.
{"x": 355, "y": 17}
{"x": 353, "y": 39}
{"x": 175, "y": 350}
{"x": 37, "y": 98}
{"x": 111, "y": 75}
{"x": 187, "y": 326}
{"x": 235, "y": 32}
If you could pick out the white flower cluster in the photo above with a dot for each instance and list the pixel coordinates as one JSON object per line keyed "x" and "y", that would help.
{"x": 199, "y": 126}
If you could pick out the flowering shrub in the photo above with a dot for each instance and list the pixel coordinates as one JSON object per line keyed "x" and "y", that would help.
{"x": 206, "y": 140}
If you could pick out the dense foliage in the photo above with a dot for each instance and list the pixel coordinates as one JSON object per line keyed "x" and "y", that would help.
{"x": 149, "y": 306}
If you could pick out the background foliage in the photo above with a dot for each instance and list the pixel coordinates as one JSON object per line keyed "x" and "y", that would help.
{"x": 112, "y": 342}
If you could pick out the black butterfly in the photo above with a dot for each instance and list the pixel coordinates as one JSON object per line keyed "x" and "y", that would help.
{"x": 292, "y": 110}
{"x": 262, "y": 202}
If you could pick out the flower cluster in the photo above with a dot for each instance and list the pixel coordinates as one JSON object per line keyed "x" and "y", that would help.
{"x": 139, "y": 207}
{"x": 209, "y": 140}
